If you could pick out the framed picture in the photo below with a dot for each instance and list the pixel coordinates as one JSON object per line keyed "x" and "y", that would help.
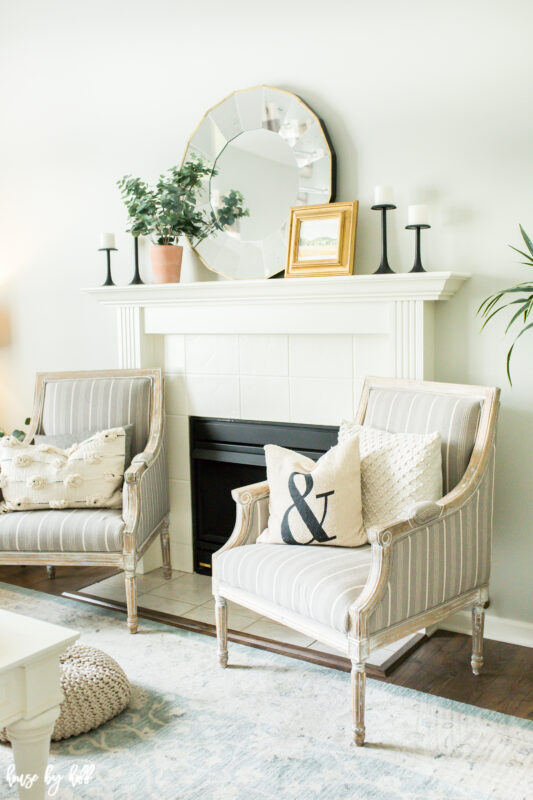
{"x": 322, "y": 240}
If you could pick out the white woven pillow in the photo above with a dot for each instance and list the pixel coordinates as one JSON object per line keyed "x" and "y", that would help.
{"x": 397, "y": 471}
{"x": 89, "y": 474}
{"x": 316, "y": 503}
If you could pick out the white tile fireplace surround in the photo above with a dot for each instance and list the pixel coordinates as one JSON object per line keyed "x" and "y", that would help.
{"x": 277, "y": 350}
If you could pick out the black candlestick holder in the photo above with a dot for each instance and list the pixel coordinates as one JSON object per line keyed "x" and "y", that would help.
{"x": 417, "y": 266}
{"x": 384, "y": 267}
{"x": 109, "y": 280}
{"x": 137, "y": 275}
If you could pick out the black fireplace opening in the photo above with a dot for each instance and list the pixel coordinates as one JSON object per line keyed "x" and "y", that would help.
{"x": 228, "y": 453}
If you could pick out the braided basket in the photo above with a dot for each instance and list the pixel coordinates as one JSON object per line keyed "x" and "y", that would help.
{"x": 96, "y": 689}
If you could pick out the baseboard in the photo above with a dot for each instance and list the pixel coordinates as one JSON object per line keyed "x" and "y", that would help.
{"x": 501, "y": 629}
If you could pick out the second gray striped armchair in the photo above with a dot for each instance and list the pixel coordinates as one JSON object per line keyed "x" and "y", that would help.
{"x": 76, "y": 402}
{"x": 414, "y": 572}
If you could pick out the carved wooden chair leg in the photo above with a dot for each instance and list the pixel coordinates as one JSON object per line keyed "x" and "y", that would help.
{"x": 130, "y": 576}
{"x": 221, "y": 616}
{"x": 358, "y": 677}
{"x": 478, "y": 622}
{"x": 51, "y": 572}
{"x": 165, "y": 551}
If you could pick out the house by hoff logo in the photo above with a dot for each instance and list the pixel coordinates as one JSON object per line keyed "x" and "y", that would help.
{"x": 316, "y": 529}
{"x": 77, "y": 776}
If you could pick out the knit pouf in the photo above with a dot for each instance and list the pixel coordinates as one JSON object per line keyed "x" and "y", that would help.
{"x": 96, "y": 689}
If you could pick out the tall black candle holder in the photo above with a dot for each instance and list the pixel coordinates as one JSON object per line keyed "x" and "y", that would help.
{"x": 384, "y": 267}
{"x": 109, "y": 280}
{"x": 136, "y": 275}
{"x": 417, "y": 266}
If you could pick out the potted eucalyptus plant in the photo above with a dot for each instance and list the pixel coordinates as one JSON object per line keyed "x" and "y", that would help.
{"x": 518, "y": 297}
{"x": 169, "y": 210}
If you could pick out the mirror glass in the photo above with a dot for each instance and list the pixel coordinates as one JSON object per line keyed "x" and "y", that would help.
{"x": 267, "y": 144}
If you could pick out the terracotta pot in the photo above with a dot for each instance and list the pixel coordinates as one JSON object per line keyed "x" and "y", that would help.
{"x": 166, "y": 262}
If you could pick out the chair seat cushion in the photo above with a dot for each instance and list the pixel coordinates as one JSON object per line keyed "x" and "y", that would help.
{"x": 312, "y": 581}
{"x": 72, "y": 531}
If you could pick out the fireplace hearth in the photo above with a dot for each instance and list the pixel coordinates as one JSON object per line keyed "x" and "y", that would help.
{"x": 227, "y": 453}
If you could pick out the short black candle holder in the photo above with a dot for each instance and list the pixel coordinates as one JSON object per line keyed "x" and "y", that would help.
{"x": 136, "y": 275}
{"x": 109, "y": 280}
{"x": 417, "y": 266}
{"x": 384, "y": 267}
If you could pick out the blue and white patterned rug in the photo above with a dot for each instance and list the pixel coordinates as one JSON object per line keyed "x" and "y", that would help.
{"x": 267, "y": 727}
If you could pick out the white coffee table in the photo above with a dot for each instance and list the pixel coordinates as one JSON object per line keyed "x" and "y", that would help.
{"x": 30, "y": 693}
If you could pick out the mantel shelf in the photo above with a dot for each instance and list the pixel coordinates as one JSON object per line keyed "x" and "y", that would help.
{"x": 426, "y": 286}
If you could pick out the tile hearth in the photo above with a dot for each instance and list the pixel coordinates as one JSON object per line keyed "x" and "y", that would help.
{"x": 188, "y": 595}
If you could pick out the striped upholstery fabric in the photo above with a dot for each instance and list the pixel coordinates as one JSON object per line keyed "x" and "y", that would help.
{"x": 75, "y": 531}
{"x": 153, "y": 489}
{"x": 453, "y": 555}
{"x": 456, "y": 419}
{"x": 314, "y": 583}
{"x": 82, "y": 404}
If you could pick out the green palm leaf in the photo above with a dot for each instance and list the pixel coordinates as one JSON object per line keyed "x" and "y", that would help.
{"x": 500, "y": 301}
{"x": 527, "y": 240}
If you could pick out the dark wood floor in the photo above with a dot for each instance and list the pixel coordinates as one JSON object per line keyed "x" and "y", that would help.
{"x": 440, "y": 666}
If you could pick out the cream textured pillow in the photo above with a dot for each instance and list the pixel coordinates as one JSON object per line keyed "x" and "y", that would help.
{"x": 397, "y": 471}
{"x": 89, "y": 474}
{"x": 315, "y": 502}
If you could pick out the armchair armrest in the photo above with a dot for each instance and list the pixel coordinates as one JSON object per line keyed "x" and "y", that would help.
{"x": 146, "y": 495}
{"x": 139, "y": 464}
{"x": 439, "y": 554}
{"x": 252, "y": 514}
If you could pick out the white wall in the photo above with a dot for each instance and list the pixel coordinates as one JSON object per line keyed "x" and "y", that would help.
{"x": 433, "y": 98}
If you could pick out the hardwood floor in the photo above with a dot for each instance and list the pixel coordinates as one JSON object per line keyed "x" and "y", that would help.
{"x": 68, "y": 579}
{"x": 440, "y": 666}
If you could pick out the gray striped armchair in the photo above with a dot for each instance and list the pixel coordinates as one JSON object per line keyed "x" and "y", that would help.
{"x": 76, "y": 402}
{"x": 414, "y": 572}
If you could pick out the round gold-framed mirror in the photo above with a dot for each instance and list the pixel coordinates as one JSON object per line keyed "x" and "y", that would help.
{"x": 267, "y": 144}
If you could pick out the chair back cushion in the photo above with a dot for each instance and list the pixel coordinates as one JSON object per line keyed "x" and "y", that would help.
{"x": 75, "y": 405}
{"x": 456, "y": 418}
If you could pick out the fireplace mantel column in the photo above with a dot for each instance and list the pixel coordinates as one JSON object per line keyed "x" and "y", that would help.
{"x": 135, "y": 348}
{"x": 413, "y": 336}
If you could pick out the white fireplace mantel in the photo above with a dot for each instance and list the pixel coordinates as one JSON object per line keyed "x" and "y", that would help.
{"x": 278, "y": 350}
{"x": 399, "y": 306}
{"x": 398, "y": 286}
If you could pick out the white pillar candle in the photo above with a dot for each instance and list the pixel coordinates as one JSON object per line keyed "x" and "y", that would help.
{"x": 383, "y": 196}
{"x": 107, "y": 241}
{"x": 417, "y": 215}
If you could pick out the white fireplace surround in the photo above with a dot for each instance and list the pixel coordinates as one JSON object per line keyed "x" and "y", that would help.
{"x": 282, "y": 350}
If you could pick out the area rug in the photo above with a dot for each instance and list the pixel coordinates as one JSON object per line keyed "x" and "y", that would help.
{"x": 266, "y": 727}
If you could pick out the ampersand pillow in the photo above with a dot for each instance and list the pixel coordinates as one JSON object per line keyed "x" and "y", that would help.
{"x": 315, "y": 502}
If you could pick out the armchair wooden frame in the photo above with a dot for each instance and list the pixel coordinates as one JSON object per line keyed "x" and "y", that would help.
{"x": 365, "y": 636}
{"x": 132, "y": 550}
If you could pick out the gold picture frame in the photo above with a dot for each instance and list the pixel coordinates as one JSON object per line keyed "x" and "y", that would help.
{"x": 322, "y": 240}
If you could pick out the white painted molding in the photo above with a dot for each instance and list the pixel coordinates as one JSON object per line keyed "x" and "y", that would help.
{"x": 341, "y": 289}
{"x": 502, "y": 629}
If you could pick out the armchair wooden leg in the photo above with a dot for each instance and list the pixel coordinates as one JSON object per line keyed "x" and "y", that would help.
{"x": 165, "y": 551}
{"x": 478, "y": 622}
{"x": 130, "y": 576}
{"x": 221, "y": 616}
{"x": 51, "y": 572}
{"x": 358, "y": 677}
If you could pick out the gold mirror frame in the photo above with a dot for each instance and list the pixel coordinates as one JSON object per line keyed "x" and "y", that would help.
{"x": 248, "y": 110}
